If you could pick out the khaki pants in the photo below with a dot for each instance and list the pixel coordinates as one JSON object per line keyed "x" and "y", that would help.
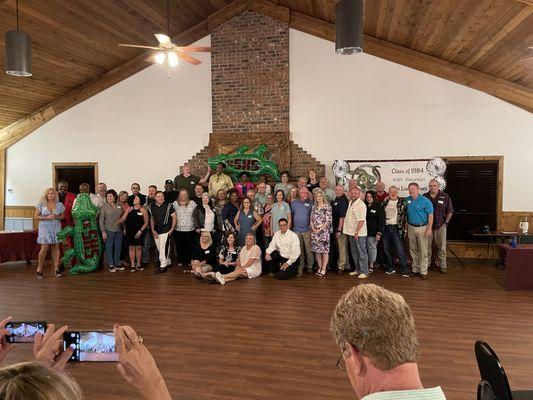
{"x": 305, "y": 248}
{"x": 341, "y": 248}
{"x": 418, "y": 247}
{"x": 439, "y": 237}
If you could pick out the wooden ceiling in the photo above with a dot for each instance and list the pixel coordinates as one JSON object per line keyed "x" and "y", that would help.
{"x": 75, "y": 41}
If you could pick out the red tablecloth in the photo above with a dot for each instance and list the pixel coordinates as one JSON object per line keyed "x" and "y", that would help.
{"x": 18, "y": 246}
{"x": 518, "y": 266}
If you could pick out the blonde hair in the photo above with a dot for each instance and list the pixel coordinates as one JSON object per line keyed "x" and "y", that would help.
{"x": 203, "y": 231}
{"x": 378, "y": 323}
{"x": 317, "y": 191}
{"x": 33, "y": 380}
{"x": 44, "y": 198}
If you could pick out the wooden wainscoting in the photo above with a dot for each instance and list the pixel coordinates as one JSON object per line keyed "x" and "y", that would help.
{"x": 21, "y": 212}
{"x": 510, "y": 219}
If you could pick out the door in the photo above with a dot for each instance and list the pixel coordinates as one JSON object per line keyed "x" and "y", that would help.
{"x": 75, "y": 174}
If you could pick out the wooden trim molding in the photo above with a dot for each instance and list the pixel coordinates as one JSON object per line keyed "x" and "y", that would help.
{"x": 76, "y": 164}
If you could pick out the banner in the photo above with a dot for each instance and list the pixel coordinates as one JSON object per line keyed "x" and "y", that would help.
{"x": 367, "y": 173}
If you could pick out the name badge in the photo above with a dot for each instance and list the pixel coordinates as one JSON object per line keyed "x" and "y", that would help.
{"x": 408, "y": 201}
{"x": 207, "y": 251}
{"x": 117, "y": 206}
{"x": 440, "y": 201}
{"x": 192, "y": 182}
{"x": 373, "y": 211}
{"x": 306, "y": 204}
{"x": 335, "y": 203}
{"x": 249, "y": 216}
{"x": 139, "y": 213}
{"x": 282, "y": 208}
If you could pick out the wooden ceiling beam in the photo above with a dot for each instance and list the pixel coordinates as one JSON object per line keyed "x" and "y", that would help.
{"x": 21, "y": 128}
{"x": 505, "y": 90}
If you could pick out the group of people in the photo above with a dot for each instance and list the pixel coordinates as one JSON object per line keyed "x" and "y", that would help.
{"x": 379, "y": 359}
{"x": 233, "y": 229}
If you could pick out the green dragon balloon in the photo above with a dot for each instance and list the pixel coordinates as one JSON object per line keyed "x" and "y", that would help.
{"x": 254, "y": 163}
{"x": 366, "y": 181}
{"x": 87, "y": 245}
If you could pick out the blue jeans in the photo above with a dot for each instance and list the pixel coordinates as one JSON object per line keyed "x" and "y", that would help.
{"x": 372, "y": 248}
{"x": 113, "y": 246}
{"x": 393, "y": 245}
{"x": 359, "y": 254}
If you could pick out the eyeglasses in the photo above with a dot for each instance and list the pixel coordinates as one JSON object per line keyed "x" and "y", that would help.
{"x": 340, "y": 362}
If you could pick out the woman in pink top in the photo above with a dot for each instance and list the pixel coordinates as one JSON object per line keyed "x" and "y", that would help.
{"x": 243, "y": 185}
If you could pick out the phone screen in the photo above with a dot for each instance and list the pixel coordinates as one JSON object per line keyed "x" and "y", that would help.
{"x": 91, "y": 345}
{"x": 24, "y": 331}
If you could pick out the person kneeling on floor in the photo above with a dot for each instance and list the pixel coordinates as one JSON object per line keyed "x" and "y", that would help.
{"x": 283, "y": 253}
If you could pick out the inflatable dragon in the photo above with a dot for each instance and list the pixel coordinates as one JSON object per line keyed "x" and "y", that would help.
{"x": 87, "y": 245}
{"x": 254, "y": 163}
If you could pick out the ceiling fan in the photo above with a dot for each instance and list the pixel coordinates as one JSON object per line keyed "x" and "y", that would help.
{"x": 166, "y": 50}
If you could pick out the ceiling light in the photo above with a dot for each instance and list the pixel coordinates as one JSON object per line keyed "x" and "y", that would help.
{"x": 160, "y": 57}
{"x": 173, "y": 59}
{"x": 18, "y": 51}
{"x": 349, "y": 27}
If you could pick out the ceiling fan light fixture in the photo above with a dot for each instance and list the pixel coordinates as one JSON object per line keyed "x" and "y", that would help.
{"x": 349, "y": 27}
{"x": 160, "y": 57}
{"x": 162, "y": 38}
{"x": 173, "y": 59}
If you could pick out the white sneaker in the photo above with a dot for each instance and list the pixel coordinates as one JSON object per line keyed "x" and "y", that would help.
{"x": 220, "y": 279}
{"x": 353, "y": 273}
{"x": 362, "y": 276}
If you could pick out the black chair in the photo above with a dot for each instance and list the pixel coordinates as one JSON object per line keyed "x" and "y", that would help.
{"x": 492, "y": 371}
{"x": 484, "y": 391}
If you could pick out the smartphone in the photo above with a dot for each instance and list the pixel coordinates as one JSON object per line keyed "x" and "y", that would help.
{"x": 24, "y": 331}
{"x": 91, "y": 345}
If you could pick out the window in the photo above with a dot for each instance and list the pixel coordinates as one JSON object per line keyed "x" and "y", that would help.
{"x": 473, "y": 188}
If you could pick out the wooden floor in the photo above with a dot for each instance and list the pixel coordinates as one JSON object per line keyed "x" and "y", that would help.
{"x": 264, "y": 339}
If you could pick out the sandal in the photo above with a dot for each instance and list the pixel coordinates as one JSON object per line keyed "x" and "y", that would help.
{"x": 321, "y": 272}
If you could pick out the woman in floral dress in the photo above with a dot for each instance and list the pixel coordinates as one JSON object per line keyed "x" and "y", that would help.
{"x": 321, "y": 218}
{"x": 49, "y": 212}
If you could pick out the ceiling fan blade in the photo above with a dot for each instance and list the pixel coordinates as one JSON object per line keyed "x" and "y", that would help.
{"x": 138, "y": 46}
{"x": 162, "y": 38}
{"x": 188, "y": 58}
{"x": 195, "y": 48}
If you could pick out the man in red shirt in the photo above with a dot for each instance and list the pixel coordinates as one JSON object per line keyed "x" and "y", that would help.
{"x": 67, "y": 198}
{"x": 381, "y": 194}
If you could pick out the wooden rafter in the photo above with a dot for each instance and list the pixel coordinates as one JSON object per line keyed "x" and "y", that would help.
{"x": 503, "y": 89}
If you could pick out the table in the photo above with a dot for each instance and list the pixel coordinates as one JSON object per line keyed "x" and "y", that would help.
{"x": 18, "y": 246}
{"x": 519, "y": 266}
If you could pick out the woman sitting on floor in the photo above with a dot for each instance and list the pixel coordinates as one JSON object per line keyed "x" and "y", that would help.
{"x": 228, "y": 255}
{"x": 203, "y": 256}
{"x": 248, "y": 264}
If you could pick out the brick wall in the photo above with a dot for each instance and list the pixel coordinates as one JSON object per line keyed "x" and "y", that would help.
{"x": 250, "y": 74}
{"x": 250, "y": 92}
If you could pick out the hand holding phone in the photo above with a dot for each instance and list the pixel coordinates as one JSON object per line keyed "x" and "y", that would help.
{"x": 137, "y": 366}
{"x": 48, "y": 348}
{"x": 5, "y": 346}
{"x": 91, "y": 345}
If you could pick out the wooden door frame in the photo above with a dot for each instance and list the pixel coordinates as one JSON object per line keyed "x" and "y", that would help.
{"x": 76, "y": 164}
{"x": 499, "y": 201}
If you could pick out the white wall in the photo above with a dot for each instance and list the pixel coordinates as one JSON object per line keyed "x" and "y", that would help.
{"x": 140, "y": 129}
{"x": 359, "y": 107}
{"x": 363, "y": 107}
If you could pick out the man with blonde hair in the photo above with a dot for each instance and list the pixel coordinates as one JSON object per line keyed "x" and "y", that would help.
{"x": 375, "y": 330}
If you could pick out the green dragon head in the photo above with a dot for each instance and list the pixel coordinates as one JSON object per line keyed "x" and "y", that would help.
{"x": 84, "y": 208}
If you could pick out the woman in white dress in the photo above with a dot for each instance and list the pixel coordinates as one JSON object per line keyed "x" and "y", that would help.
{"x": 248, "y": 264}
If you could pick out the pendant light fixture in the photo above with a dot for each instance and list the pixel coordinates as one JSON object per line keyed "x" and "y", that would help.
{"x": 349, "y": 27}
{"x": 18, "y": 51}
